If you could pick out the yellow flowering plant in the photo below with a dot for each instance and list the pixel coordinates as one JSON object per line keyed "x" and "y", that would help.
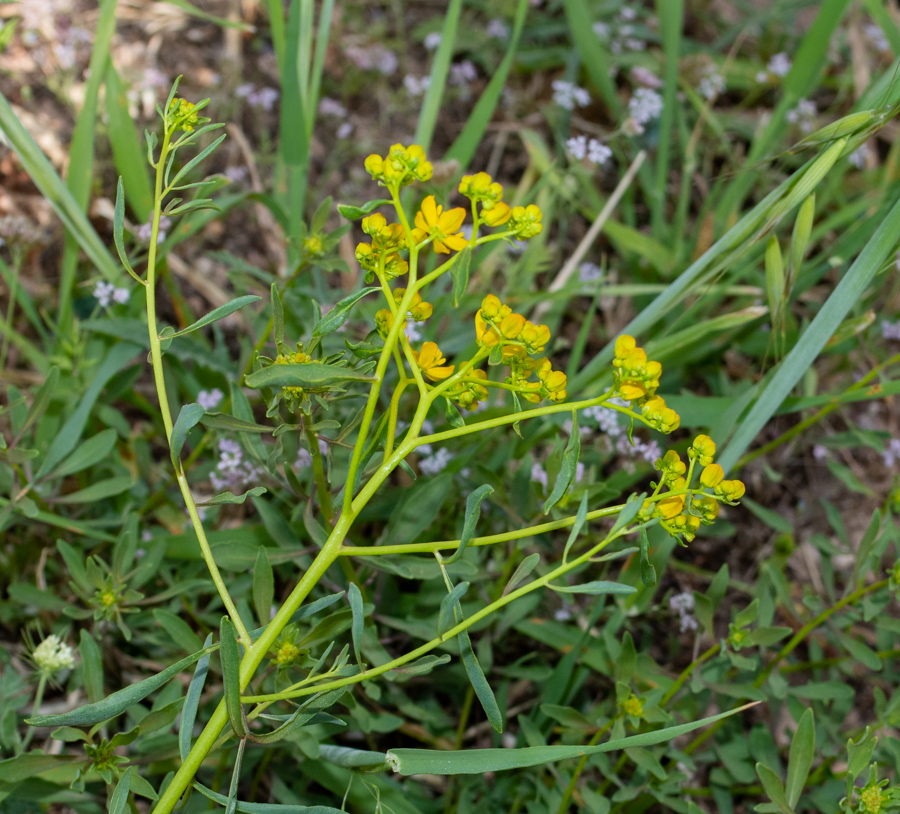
{"x": 400, "y": 376}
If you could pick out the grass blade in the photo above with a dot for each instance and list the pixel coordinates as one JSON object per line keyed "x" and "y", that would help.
{"x": 804, "y": 353}
{"x": 438, "y": 77}
{"x": 127, "y": 149}
{"x": 230, "y": 655}
{"x": 192, "y": 701}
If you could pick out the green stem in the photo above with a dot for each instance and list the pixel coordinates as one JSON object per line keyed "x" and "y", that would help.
{"x": 162, "y": 395}
{"x": 319, "y": 474}
{"x": 38, "y": 698}
{"x": 686, "y": 673}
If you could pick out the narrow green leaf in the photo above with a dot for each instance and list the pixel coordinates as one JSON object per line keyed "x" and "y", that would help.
{"x": 594, "y": 56}
{"x": 771, "y": 784}
{"x": 467, "y": 142}
{"x": 119, "y": 798}
{"x": 459, "y": 272}
{"x": 263, "y": 585}
{"x": 473, "y": 512}
{"x": 859, "y": 754}
{"x": 648, "y": 569}
{"x": 845, "y": 295}
{"x": 265, "y": 808}
{"x": 448, "y": 605}
{"x": 595, "y": 588}
{"x": 277, "y": 316}
{"x": 306, "y": 374}
{"x": 359, "y": 620}
{"x": 118, "y": 702}
{"x": 91, "y": 658}
{"x": 119, "y": 231}
{"x": 338, "y": 315}
{"x": 30, "y": 765}
{"x": 231, "y": 805}
{"x": 580, "y": 519}
{"x": 357, "y": 212}
{"x": 192, "y": 701}
{"x": 801, "y": 756}
{"x": 99, "y": 491}
{"x": 230, "y": 655}
{"x": 421, "y": 666}
{"x": 216, "y": 314}
{"x": 229, "y": 497}
{"x": 569, "y": 467}
{"x": 90, "y": 453}
{"x": 128, "y": 155}
{"x": 188, "y": 417}
{"x": 41, "y": 399}
{"x": 197, "y": 159}
{"x": 437, "y": 79}
{"x": 525, "y": 568}
{"x": 480, "y": 685}
{"x": 479, "y": 761}
{"x": 228, "y": 423}
{"x": 67, "y": 438}
{"x": 629, "y": 512}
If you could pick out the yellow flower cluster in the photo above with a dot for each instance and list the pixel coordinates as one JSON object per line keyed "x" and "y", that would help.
{"x": 480, "y": 188}
{"x": 419, "y": 310}
{"x": 400, "y": 167}
{"x": 682, "y": 514}
{"x": 182, "y": 115}
{"x": 496, "y": 325}
{"x": 383, "y": 253}
{"x": 636, "y": 380}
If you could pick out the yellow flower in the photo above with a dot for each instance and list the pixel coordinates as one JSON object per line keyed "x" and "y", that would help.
{"x": 671, "y": 466}
{"x": 711, "y": 476}
{"x": 432, "y": 221}
{"x": 703, "y": 450}
{"x": 731, "y": 490}
{"x": 480, "y": 187}
{"x": 468, "y": 394}
{"x": 497, "y": 215}
{"x": 419, "y": 310}
{"x": 525, "y": 221}
{"x": 553, "y": 381}
{"x": 708, "y": 509}
{"x": 401, "y": 166}
{"x": 635, "y": 376}
{"x": 670, "y": 507}
{"x": 660, "y": 417}
{"x": 431, "y": 362}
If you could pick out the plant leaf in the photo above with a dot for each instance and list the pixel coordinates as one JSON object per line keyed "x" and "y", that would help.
{"x": 305, "y": 374}
{"x": 800, "y": 758}
{"x": 569, "y": 467}
{"x": 188, "y": 417}
{"x": 595, "y": 588}
{"x": 338, "y": 315}
{"x": 216, "y": 314}
{"x": 356, "y": 212}
{"x": 473, "y": 512}
{"x": 230, "y": 655}
{"x": 459, "y": 273}
{"x": 359, "y": 619}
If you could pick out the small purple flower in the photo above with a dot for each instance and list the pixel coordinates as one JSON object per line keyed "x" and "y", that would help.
{"x": 210, "y": 399}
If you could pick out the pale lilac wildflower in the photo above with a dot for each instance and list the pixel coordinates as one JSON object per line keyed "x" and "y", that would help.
{"x": 876, "y": 37}
{"x": 577, "y": 146}
{"x": 323, "y": 445}
{"x": 589, "y": 273}
{"x": 374, "y": 58}
{"x": 304, "y": 459}
{"x": 645, "y": 105}
{"x": 646, "y": 77}
{"x": 436, "y": 463}
{"x": 210, "y": 399}
{"x": 890, "y": 330}
{"x": 232, "y": 472}
{"x": 332, "y": 107}
{"x": 243, "y": 91}
{"x": 859, "y": 156}
{"x": 264, "y": 98}
{"x": 145, "y": 230}
{"x": 711, "y": 84}
{"x": 598, "y": 153}
{"x": 628, "y": 13}
{"x": 433, "y": 40}
{"x": 462, "y": 73}
{"x": 820, "y": 452}
{"x": 602, "y": 31}
{"x": 579, "y": 471}
{"x": 236, "y": 174}
{"x": 416, "y": 86}
{"x": 892, "y": 453}
{"x": 779, "y": 65}
{"x": 803, "y": 115}
{"x": 539, "y": 475}
{"x": 569, "y": 95}
{"x": 683, "y": 605}
{"x": 107, "y": 293}
{"x": 413, "y": 334}
{"x": 497, "y": 29}
{"x": 344, "y": 130}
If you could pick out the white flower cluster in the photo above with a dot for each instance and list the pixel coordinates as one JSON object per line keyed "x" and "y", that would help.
{"x": 569, "y": 95}
{"x": 497, "y": 29}
{"x": 53, "y": 654}
{"x": 711, "y": 84}
{"x": 462, "y": 73}
{"x": 433, "y": 40}
{"x": 892, "y": 452}
{"x": 436, "y": 462}
{"x": 595, "y": 151}
{"x": 332, "y": 107}
{"x": 589, "y": 273}
{"x": 210, "y": 399}
{"x": 107, "y": 293}
{"x": 779, "y": 65}
{"x": 145, "y": 230}
{"x": 644, "y": 106}
{"x": 621, "y": 34}
{"x": 804, "y": 115}
{"x": 683, "y": 605}
{"x": 233, "y": 473}
{"x": 374, "y": 58}
{"x": 416, "y": 86}
{"x": 890, "y": 330}
{"x": 607, "y": 421}
{"x": 264, "y": 98}
{"x": 876, "y": 36}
